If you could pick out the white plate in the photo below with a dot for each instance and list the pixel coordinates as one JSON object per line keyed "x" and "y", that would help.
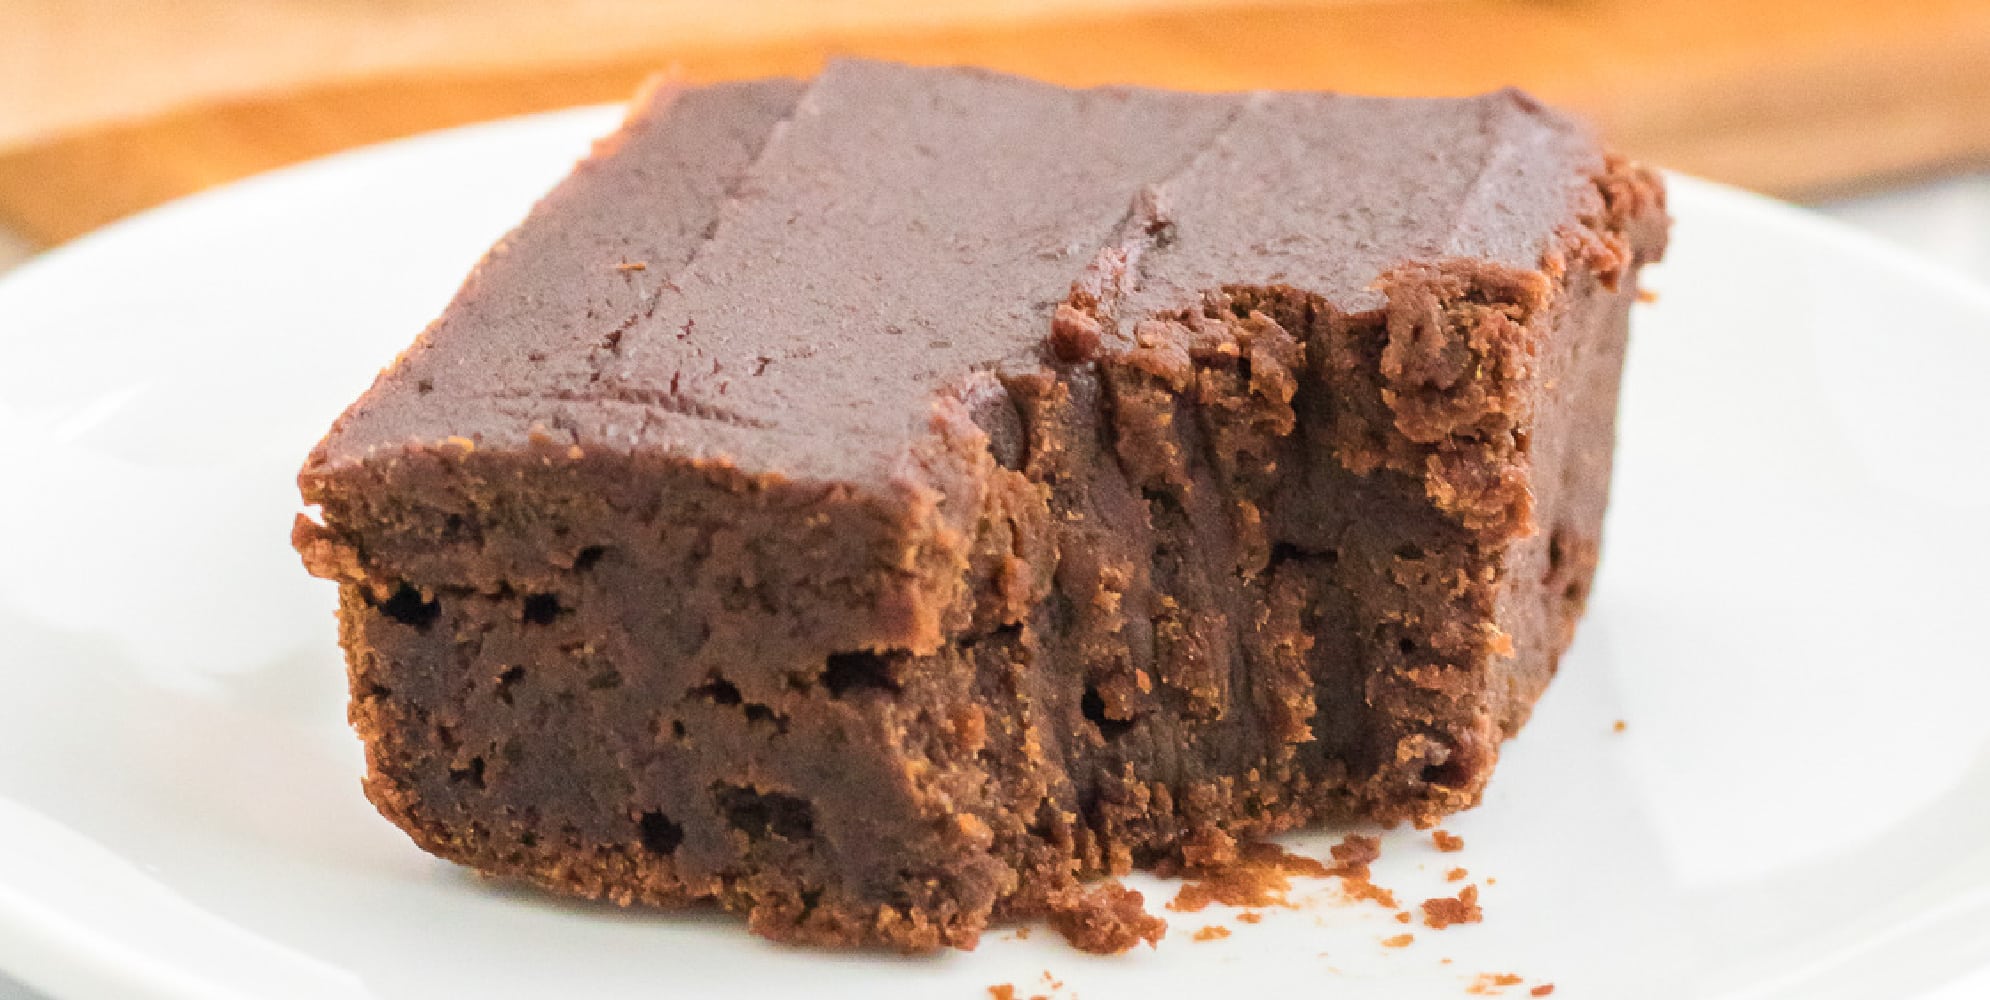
{"x": 1790, "y": 619}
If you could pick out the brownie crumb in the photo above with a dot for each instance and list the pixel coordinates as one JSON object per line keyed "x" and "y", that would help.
{"x": 1286, "y": 861}
{"x": 1107, "y": 920}
{"x": 1360, "y": 889}
{"x": 1283, "y": 860}
{"x": 1455, "y": 875}
{"x": 1004, "y": 991}
{"x": 1213, "y": 932}
{"x": 1023, "y": 933}
{"x": 1399, "y": 941}
{"x": 1443, "y": 911}
{"x": 1253, "y": 874}
{"x": 1446, "y": 841}
{"x": 1493, "y": 983}
{"x": 1236, "y": 885}
{"x": 1249, "y": 917}
{"x": 1355, "y": 852}
{"x": 1403, "y": 916}
{"x": 1074, "y": 334}
{"x": 1545, "y": 989}
{"x": 1352, "y": 856}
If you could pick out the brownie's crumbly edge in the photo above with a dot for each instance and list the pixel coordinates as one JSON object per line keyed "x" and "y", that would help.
{"x": 1213, "y": 416}
{"x": 1461, "y": 355}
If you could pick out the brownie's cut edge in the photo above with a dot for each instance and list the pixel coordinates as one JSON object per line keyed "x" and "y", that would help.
{"x": 835, "y": 503}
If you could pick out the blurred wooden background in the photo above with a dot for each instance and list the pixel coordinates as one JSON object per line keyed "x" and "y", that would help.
{"x": 111, "y": 106}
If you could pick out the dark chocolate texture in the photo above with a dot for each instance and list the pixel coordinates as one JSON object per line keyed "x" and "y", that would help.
{"x": 884, "y": 503}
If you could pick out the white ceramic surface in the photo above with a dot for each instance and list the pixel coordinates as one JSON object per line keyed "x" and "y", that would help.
{"x": 1790, "y": 620}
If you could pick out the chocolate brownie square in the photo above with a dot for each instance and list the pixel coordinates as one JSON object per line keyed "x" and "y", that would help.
{"x": 882, "y": 503}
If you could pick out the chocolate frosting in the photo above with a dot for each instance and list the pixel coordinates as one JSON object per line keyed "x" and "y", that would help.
{"x": 784, "y": 281}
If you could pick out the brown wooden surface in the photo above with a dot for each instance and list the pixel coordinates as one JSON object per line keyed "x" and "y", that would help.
{"x": 1787, "y": 96}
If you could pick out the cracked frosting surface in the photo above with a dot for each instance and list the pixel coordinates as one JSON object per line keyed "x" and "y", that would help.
{"x": 772, "y": 297}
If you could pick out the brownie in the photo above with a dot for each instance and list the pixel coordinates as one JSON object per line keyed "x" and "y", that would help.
{"x": 883, "y": 504}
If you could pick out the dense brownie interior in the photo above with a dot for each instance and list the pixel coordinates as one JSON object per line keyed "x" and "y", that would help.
{"x": 880, "y": 503}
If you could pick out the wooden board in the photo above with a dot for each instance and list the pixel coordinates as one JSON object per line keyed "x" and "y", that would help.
{"x": 1795, "y": 97}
